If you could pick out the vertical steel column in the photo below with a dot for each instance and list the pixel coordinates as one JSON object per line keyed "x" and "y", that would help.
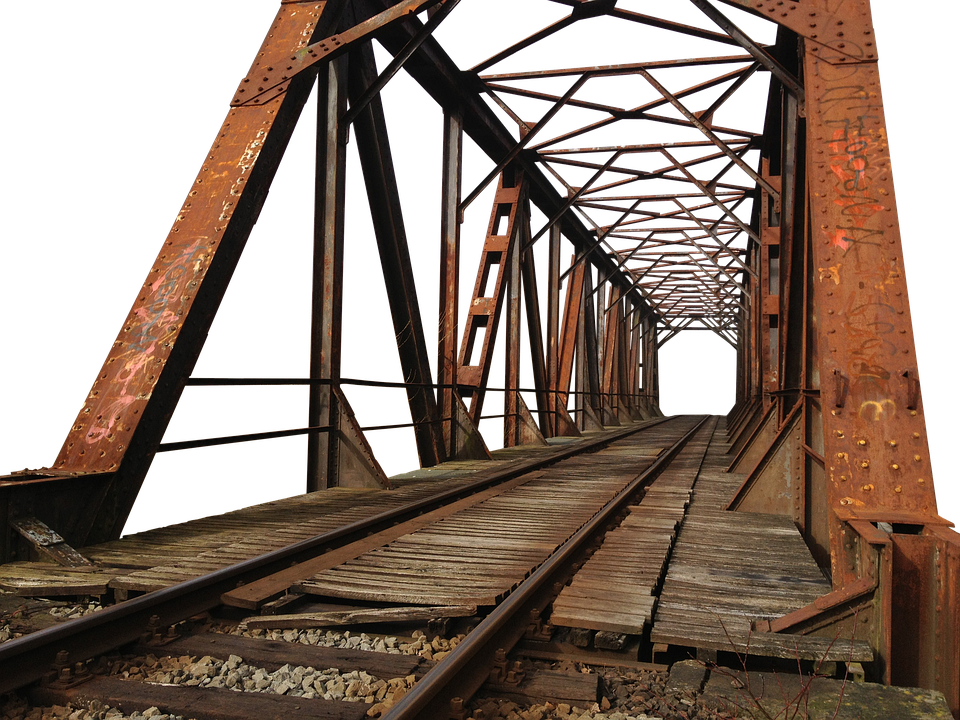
{"x": 460, "y": 436}
{"x": 623, "y": 367}
{"x": 570, "y": 346}
{"x": 651, "y": 382}
{"x": 342, "y": 456}
{"x": 636, "y": 357}
{"x": 609, "y": 382}
{"x": 511, "y": 360}
{"x": 553, "y": 326}
{"x": 377, "y": 163}
{"x": 519, "y": 427}
{"x": 325, "y": 329}
{"x": 593, "y": 399}
{"x": 531, "y": 303}
{"x": 449, "y": 276}
{"x": 770, "y": 280}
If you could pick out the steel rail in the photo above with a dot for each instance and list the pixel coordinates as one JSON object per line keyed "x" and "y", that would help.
{"x": 27, "y": 659}
{"x": 430, "y": 697}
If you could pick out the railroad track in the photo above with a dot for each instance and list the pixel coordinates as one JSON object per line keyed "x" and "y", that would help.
{"x": 503, "y": 574}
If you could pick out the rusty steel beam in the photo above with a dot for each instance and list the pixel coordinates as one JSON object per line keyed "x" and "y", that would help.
{"x": 519, "y": 425}
{"x": 843, "y": 297}
{"x": 376, "y": 160}
{"x": 553, "y": 328}
{"x": 342, "y": 456}
{"x": 433, "y": 69}
{"x": 122, "y": 421}
{"x": 449, "y": 276}
{"x": 531, "y": 303}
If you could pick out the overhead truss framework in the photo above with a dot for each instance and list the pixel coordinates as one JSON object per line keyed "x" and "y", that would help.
{"x": 737, "y": 181}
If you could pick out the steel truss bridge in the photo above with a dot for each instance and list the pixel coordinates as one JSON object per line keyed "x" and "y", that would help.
{"x": 737, "y": 182}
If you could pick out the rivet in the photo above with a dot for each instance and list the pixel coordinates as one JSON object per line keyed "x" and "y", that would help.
{"x": 895, "y": 466}
{"x": 898, "y": 489}
{"x": 917, "y": 458}
{"x": 913, "y": 413}
{"x": 893, "y": 443}
{"x": 865, "y": 464}
{"x": 920, "y": 480}
{"x": 916, "y": 436}
{"x": 861, "y": 442}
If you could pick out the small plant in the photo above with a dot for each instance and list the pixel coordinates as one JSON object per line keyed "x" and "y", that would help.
{"x": 795, "y": 701}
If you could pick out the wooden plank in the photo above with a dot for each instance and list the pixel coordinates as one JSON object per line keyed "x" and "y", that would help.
{"x": 554, "y": 686}
{"x": 631, "y": 624}
{"x": 24, "y": 578}
{"x": 254, "y": 594}
{"x": 273, "y": 654}
{"x": 639, "y": 604}
{"x": 431, "y": 565}
{"x": 615, "y": 594}
{"x": 359, "y": 616}
{"x": 200, "y": 703}
{"x": 790, "y": 647}
{"x": 409, "y": 595}
{"x": 379, "y": 577}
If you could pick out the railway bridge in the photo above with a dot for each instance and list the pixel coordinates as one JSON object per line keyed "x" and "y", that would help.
{"x": 641, "y": 170}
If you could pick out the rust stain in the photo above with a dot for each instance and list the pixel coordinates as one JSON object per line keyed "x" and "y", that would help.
{"x": 877, "y": 410}
{"x": 831, "y": 273}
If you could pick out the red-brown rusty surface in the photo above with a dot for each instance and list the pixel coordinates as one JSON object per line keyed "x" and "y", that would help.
{"x": 484, "y": 310}
{"x": 875, "y": 443}
{"x": 110, "y": 416}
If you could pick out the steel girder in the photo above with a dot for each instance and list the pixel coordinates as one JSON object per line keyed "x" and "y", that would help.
{"x": 783, "y": 240}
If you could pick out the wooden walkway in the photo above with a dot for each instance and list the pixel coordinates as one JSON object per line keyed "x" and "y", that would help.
{"x": 476, "y": 556}
{"x": 614, "y": 590}
{"x": 731, "y": 568}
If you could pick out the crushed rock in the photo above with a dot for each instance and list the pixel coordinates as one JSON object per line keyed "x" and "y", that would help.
{"x": 13, "y": 707}
{"x": 69, "y": 612}
{"x": 417, "y": 644}
{"x": 57, "y": 609}
{"x": 295, "y": 681}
